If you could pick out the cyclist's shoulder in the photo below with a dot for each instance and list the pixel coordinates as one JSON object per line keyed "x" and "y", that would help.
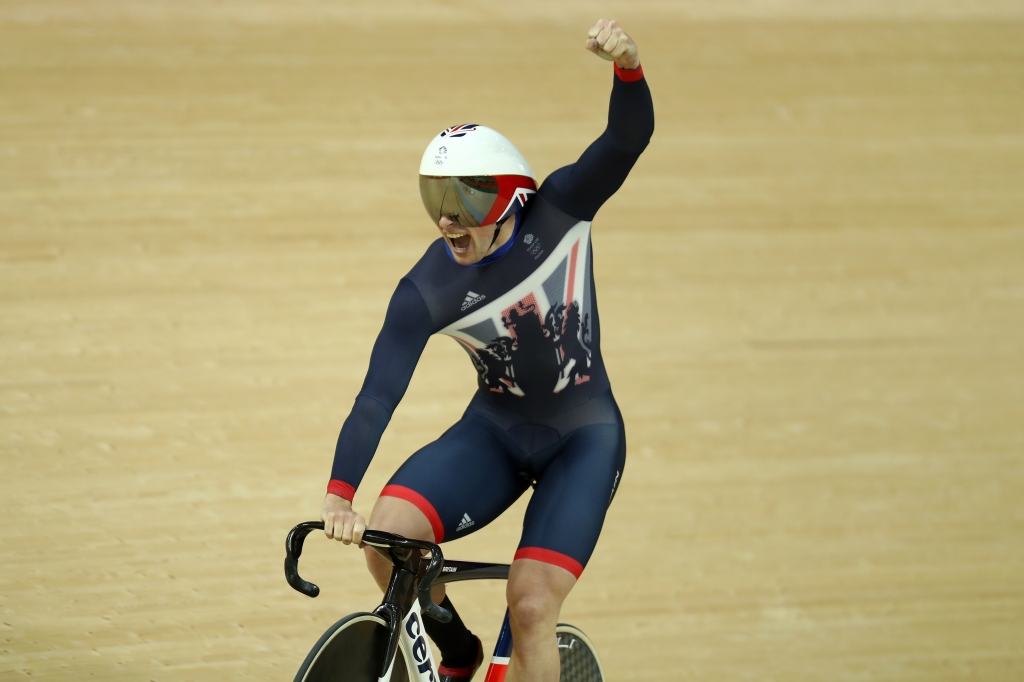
{"x": 434, "y": 267}
{"x": 546, "y": 214}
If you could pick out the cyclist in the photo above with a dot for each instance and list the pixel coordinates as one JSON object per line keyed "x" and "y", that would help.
{"x": 511, "y": 280}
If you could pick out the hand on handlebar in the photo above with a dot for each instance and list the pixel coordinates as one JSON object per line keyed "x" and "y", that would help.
{"x": 341, "y": 522}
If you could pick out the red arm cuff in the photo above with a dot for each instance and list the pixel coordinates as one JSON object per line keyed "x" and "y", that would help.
{"x": 629, "y": 75}
{"x": 341, "y": 489}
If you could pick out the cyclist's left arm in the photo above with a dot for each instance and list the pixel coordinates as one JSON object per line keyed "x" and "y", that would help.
{"x": 581, "y": 188}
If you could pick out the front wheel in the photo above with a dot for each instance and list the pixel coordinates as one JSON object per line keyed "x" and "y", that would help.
{"x": 352, "y": 650}
{"x": 579, "y": 662}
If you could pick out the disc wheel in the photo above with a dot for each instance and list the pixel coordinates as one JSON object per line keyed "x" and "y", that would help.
{"x": 579, "y": 662}
{"x": 352, "y": 650}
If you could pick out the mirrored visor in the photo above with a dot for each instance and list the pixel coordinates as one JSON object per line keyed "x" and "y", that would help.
{"x": 466, "y": 200}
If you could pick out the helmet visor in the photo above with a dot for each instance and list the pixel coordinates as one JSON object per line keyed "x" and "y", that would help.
{"x": 466, "y": 200}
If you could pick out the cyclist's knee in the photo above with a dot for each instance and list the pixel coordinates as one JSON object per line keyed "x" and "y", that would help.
{"x": 535, "y": 593}
{"x": 379, "y": 567}
{"x": 531, "y": 610}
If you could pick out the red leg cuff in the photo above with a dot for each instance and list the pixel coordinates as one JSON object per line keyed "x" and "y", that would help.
{"x": 551, "y": 557}
{"x": 410, "y": 495}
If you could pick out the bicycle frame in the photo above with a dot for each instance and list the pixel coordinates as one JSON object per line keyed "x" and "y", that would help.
{"x": 420, "y": 658}
{"x": 457, "y": 571}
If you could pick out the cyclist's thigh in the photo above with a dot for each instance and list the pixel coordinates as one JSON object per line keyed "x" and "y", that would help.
{"x": 462, "y": 481}
{"x": 565, "y": 515}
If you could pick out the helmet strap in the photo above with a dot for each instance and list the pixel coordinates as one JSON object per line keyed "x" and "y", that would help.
{"x": 497, "y": 229}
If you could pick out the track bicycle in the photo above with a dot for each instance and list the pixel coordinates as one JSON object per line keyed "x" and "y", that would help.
{"x": 390, "y": 642}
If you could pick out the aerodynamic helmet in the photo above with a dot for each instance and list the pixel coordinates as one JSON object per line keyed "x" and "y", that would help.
{"x": 474, "y": 175}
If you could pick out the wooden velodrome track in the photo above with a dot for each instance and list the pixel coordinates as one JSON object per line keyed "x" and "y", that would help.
{"x": 812, "y": 290}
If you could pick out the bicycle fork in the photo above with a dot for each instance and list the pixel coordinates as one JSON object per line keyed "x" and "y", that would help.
{"x": 502, "y": 653}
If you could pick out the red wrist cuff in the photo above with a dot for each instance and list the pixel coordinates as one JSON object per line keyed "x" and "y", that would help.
{"x": 341, "y": 489}
{"x": 629, "y": 75}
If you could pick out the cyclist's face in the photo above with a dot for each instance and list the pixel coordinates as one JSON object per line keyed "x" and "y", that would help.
{"x": 471, "y": 244}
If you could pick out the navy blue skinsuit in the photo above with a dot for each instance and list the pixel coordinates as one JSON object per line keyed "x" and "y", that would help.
{"x": 527, "y": 315}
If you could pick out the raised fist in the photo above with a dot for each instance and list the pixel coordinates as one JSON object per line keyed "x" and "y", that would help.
{"x": 608, "y": 41}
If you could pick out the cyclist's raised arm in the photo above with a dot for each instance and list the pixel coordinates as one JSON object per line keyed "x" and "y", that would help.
{"x": 581, "y": 188}
{"x": 407, "y": 326}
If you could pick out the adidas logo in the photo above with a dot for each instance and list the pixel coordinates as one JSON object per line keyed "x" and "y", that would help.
{"x": 472, "y": 298}
{"x": 465, "y": 523}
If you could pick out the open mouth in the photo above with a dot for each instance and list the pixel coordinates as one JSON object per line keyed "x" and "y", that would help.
{"x": 458, "y": 241}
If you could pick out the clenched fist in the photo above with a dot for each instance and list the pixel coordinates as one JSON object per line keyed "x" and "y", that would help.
{"x": 340, "y": 521}
{"x": 608, "y": 41}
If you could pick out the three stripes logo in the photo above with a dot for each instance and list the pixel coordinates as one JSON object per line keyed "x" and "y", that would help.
{"x": 472, "y": 299}
{"x": 465, "y": 523}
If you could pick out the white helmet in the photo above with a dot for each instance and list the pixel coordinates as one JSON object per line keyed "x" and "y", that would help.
{"x": 474, "y": 175}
